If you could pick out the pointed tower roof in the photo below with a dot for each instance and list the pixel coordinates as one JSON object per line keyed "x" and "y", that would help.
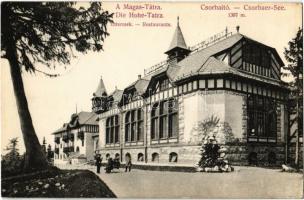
{"x": 178, "y": 40}
{"x": 101, "y": 89}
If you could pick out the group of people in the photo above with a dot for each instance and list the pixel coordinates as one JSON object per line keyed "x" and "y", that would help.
{"x": 112, "y": 164}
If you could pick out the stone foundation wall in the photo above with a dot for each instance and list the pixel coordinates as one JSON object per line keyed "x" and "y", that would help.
{"x": 256, "y": 154}
{"x": 238, "y": 154}
{"x": 188, "y": 155}
{"x": 292, "y": 154}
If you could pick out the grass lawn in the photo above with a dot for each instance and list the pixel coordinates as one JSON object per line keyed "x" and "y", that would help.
{"x": 57, "y": 183}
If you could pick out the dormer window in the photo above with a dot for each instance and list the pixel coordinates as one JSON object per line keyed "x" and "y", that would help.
{"x": 164, "y": 84}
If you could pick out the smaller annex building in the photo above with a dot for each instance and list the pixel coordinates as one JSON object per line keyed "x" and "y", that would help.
{"x": 77, "y": 140}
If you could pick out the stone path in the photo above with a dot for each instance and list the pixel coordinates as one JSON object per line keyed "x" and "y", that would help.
{"x": 245, "y": 182}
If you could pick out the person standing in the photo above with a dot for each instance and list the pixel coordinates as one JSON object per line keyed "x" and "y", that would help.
{"x": 128, "y": 164}
{"x": 109, "y": 166}
{"x": 98, "y": 163}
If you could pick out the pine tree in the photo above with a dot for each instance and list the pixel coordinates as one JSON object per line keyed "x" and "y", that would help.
{"x": 11, "y": 161}
{"x": 294, "y": 56}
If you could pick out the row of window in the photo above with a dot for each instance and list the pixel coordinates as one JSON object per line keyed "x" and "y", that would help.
{"x": 214, "y": 83}
{"x": 140, "y": 157}
{"x": 164, "y": 123}
{"x": 262, "y": 121}
{"x": 257, "y": 69}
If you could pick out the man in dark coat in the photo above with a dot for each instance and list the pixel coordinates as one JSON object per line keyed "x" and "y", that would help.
{"x": 109, "y": 166}
{"x": 98, "y": 162}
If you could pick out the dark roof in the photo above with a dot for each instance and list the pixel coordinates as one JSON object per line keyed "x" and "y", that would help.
{"x": 141, "y": 85}
{"x": 178, "y": 40}
{"x": 116, "y": 95}
{"x": 196, "y": 60}
{"x": 82, "y": 118}
{"x": 201, "y": 62}
{"x": 87, "y": 118}
{"x": 101, "y": 89}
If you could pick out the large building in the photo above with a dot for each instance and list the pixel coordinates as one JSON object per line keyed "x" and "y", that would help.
{"x": 77, "y": 140}
{"x": 228, "y": 86}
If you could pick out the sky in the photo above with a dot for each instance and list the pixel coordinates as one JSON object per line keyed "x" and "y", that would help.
{"x": 129, "y": 50}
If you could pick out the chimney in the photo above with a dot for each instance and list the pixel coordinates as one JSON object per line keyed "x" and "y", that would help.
{"x": 139, "y": 77}
{"x": 238, "y": 28}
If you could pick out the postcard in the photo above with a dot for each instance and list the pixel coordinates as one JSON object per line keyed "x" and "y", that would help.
{"x": 138, "y": 99}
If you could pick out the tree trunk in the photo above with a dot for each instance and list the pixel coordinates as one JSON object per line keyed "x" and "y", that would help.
{"x": 34, "y": 157}
{"x": 287, "y": 133}
{"x": 298, "y": 133}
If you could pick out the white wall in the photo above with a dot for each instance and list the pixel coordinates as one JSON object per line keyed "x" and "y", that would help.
{"x": 199, "y": 106}
{"x": 234, "y": 113}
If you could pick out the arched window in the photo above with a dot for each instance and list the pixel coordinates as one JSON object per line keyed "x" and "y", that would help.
{"x": 117, "y": 155}
{"x": 112, "y": 129}
{"x": 134, "y": 126}
{"x": 164, "y": 120}
{"x": 155, "y": 157}
{"x": 77, "y": 149}
{"x": 140, "y": 157}
{"x": 107, "y": 156}
{"x": 173, "y": 157}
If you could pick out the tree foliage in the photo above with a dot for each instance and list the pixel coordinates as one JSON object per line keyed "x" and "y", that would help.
{"x": 44, "y": 32}
{"x": 294, "y": 56}
{"x": 12, "y": 161}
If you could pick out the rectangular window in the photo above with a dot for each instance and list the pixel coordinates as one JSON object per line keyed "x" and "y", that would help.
{"x": 244, "y": 87}
{"x": 194, "y": 85}
{"x": 262, "y": 118}
{"x": 239, "y": 86}
{"x": 210, "y": 83}
{"x": 164, "y": 124}
{"x": 173, "y": 125}
{"x": 227, "y": 83}
{"x": 107, "y": 135}
{"x": 127, "y": 132}
{"x": 219, "y": 83}
{"x": 233, "y": 85}
{"x": 202, "y": 84}
{"x": 116, "y": 134}
{"x": 154, "y": 130}
{"x": 189, "y": 87}
{"x": 133, "y": 128}
{"x": 140, "y": 129}
{"x": 163, "y": 127}
{"x": 185, "y": 88}
{"x": 180, "y": 89}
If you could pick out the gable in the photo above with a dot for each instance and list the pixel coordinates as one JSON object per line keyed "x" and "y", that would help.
{"x": 256, "y": 58}
{"x": 159, "y": 83}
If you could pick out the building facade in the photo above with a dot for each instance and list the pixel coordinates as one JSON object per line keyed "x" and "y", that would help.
{"x": 77, "y": 140}
{"x": 229, "y": 87}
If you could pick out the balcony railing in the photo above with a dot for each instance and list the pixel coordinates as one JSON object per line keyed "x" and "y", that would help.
{"x": 68, "y": 137}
